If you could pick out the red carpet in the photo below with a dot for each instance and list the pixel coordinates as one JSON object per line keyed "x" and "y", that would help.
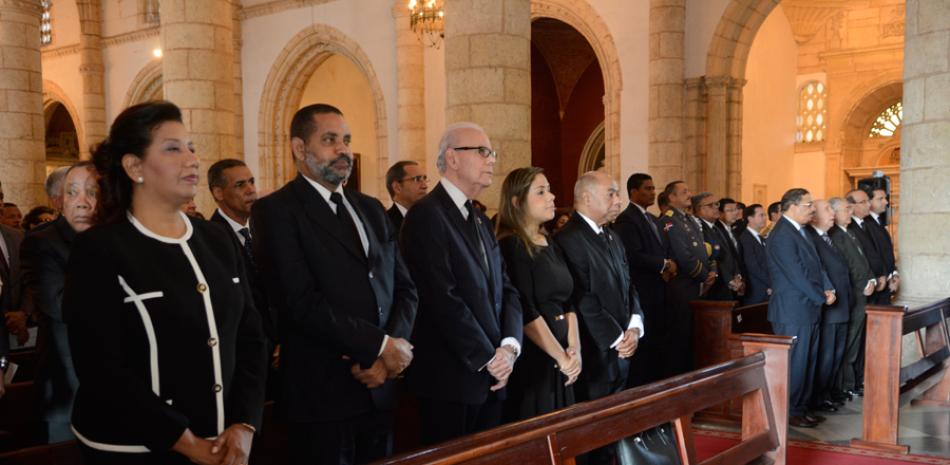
{"x": 709, "y": 443}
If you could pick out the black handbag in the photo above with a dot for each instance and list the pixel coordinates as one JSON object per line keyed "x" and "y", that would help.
{"x": 656, "y": 446}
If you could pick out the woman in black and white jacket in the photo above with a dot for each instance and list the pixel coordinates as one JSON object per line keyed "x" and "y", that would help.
{"x": 168, "y": 348}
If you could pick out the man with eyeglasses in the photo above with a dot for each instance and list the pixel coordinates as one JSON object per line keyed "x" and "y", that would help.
{"x": 728, "y": 283}
{"x": 469, "y": 327}
{"x": 861, "y": 203}
{"x": 406, "y": 182}
{"x": 800, "y": 288}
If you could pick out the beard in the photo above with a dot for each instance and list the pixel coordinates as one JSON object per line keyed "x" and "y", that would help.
{"x": 325, "y": 170}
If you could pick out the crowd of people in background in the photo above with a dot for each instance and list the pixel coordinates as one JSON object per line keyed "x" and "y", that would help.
{"x": 158, "y": 329}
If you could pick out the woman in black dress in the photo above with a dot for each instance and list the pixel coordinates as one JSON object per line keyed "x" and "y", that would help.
{"x": 543, "y": 376}
{"x": 167, "y": 345}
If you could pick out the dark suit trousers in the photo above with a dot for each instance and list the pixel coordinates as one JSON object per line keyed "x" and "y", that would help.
{"x": 678, "y": 346}
{"x": 363, "y": 439}
{"x": 852, "y": 368}
{"x": 801, "y": 366}
{"x": 831, "y": 344}
{"x": 443, "y": 420}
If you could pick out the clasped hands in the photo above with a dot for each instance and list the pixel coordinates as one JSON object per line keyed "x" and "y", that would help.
{"x": 231, "y": 447}
{"x": 570, "y": 364}
{"x": 396, "y": 356}
{"x": 628, "y": 345}
{"x": 16, "y": 323}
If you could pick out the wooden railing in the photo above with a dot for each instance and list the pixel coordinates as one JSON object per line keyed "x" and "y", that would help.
{"x": 885, "y": 379}
{"x": 760, "y": 379}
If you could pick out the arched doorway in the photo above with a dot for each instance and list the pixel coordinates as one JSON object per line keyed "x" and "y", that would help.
{"x": 567, "y": 105}
{"x": 284, "y": 91}
{"x": 147, "y": 85}
{"x": 62, "y": 138}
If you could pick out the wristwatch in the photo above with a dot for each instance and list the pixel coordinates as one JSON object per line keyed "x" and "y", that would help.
{"x": 4, "y": 363}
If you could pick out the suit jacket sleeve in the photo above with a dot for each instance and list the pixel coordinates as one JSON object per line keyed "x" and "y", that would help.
{"x": 858, "y": 266}
{"x": 278, "y": 242}
{"x": 405, "y": 297}
{"x": 785, "y": 258}
{"x": 602, "y": 327}
{"x": 43, "y": 276}
{"x": 687, "y": 263}
{"x": 250, "y": 373}
{"x": 93, "y": 309}
{"x": 424, "y": 241}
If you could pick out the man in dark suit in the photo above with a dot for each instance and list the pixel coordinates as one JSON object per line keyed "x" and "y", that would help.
{"x": 800, "y": 288}
{"x": 861, "y": 204}
{"x": 729, "y": 214}
{"x": 758, "y": 284}
{"x": 650, "y": 269}
{"x": 44, "y": 255}
{"x": 608, "y": 308}
{"x": 878, "y": 230}
{"x": 469, "y": 329}
{"x": 10, "y": 286}
{"x": 695, "y": 275}
{"x": 729, "y": 283}
{"x": 406, "y": 182}
{"x": 833, "y": 329}
{"x": 863, "y": 284}
{"x": 332, "y": 269}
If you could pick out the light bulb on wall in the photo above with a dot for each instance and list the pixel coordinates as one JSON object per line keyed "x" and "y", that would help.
{"x": 157, "y": 53}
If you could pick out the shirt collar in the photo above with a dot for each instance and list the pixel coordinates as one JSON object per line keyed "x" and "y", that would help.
{"x": 819, "y": 230}
{"x": 754, "y": 233}
{"x": 597, "y": 229}
{"x": 234, "y": 224}
{"x": 458, "y": 197}
{"x": 858, "y": 220}
{"x": 642, "y": 210}
{"x": 324, "y": 192}
{"x": 842, "y": 227}
{"x": 402, "y": 209}
{"x": 877, "y": 218}
{"x": 711, "y": 225}
{"x": 798, "y": 227}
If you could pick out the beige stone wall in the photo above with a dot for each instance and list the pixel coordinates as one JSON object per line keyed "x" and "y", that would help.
{"x": 488, "y": 77}
{"x": 92, "y": 72}
{"x": 22, "y": 147}
{"x": 197, "y": 75}
{"x": 667, "y": 90}
{"x": 925, "y": 166}
{"x": 410, "y": 79}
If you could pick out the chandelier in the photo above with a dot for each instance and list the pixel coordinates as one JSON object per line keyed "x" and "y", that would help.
{"x": 427, "y": 20}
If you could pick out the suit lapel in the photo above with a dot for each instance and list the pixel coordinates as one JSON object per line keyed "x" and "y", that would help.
{"x": 597, "y": 245}
{"x": 456, "y": 220}
{"x": 371, "y": 237}
{"x": 319, "y": 213}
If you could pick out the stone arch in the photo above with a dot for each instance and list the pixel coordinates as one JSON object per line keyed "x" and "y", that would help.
{"x": 867, "y": 105}
{"x": 147, "y": 84}
{"x": 283, "y": 90}
{"x": 732, "y": 40}
{"x": 52, "y": 95}
{"x": 582, "y": 17}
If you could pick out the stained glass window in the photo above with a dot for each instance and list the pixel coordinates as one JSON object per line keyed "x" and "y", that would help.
{"x": 46, "y": 26}
{"x": 886, "y": 124}
{"x": 812, "y": 113}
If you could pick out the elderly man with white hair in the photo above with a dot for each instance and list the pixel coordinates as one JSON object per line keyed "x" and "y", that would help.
{"x": 468, "y": 328}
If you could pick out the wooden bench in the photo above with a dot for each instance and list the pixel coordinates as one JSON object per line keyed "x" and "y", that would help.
{"x": 885, "y": 380}
{"x": 714, "y": 325}
{"x": 760, "y": 379}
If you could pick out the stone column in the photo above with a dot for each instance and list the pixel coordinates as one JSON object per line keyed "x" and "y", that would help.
{"x": 92, "y": 72}
{"x": 488, "y": 77}
{"x": 22, "y": 128}
{"x": 667, "y": 91}
{"x": 238, "y": 88}
{"x": 198, "y": 76}
{"x": 695, "y": 133}
{"x": 723, "y": 136}
{"x": 410, "y": 77}
{"x": 925, "y": 166}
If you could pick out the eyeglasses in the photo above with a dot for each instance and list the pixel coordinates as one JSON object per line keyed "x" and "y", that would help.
{"x": 485, "y": 152}
{"x": 806, "y": 205}
{"x": 714, "y": 205}
{"x": 419, "y": 178}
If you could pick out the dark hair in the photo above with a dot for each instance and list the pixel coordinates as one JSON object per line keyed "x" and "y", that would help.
{"x": 396, "y": 173}
{"x": 131, "y": 134}
{"x": 32, "y": 219}
{"x": 726, "y": 201}
{"x": 750, "y": 210}
{"x": 511, "y": 217}
{"x": 671, "y": 187}
{"x": 302, "y": 126}
{"x": 850, "y": 195}
{"x": 663, "y": 200}
{"x": 636, "y": 180}
{"x": 216, "y": 171}
{"x": 697, "y": 199}
{"x": 774, "y": 207}
{"x": 792, "y": 197}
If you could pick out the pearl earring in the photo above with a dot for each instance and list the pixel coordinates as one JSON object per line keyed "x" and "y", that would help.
{"x": 139, "y": 180}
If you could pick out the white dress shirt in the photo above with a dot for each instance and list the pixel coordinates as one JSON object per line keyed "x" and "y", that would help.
{"x": 237, "y": 227}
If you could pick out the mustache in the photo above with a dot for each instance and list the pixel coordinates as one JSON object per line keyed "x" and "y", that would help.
{"x": 344, "y": 157}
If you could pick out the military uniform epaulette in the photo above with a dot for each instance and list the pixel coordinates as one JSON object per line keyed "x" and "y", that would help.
{"x": 669, "y": 213}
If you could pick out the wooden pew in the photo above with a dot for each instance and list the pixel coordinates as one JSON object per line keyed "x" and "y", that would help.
{"x": 715, "y": 323}
{"x": 885, "y": 379}
{"x": 559, "y": 437}
{"x": 20, "y": 423}
{"x": 63, "y": 453}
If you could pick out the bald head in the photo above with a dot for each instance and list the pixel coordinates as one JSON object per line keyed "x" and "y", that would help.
{"x": 597, "y": 197}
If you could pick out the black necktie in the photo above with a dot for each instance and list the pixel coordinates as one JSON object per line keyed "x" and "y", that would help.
{"x": 827, "y": 240}
{"x": 248, "y": 248}
{"x": 474, "y": 231}
{"x": 652, "y": 223}
{"x": 346, "y": 220}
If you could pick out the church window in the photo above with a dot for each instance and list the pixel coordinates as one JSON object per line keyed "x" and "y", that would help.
{"x": 812, "y": 113}
{"x": 886, "y": 124}
{"x": 46, "y": 26}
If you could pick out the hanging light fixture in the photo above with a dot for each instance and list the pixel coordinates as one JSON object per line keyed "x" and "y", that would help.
{"x": 427, "y": 20}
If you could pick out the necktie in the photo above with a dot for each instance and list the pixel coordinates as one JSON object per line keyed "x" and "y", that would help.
{"x": 346, "y": 220}
{"x": 827, "y": 240}
{"x": 652, "y": 223}
{"x": 473, "y": 222}
{"x": 248, "y": 248}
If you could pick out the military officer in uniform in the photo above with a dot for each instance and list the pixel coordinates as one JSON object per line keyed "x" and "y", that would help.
{"x": 696, "y": 274}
